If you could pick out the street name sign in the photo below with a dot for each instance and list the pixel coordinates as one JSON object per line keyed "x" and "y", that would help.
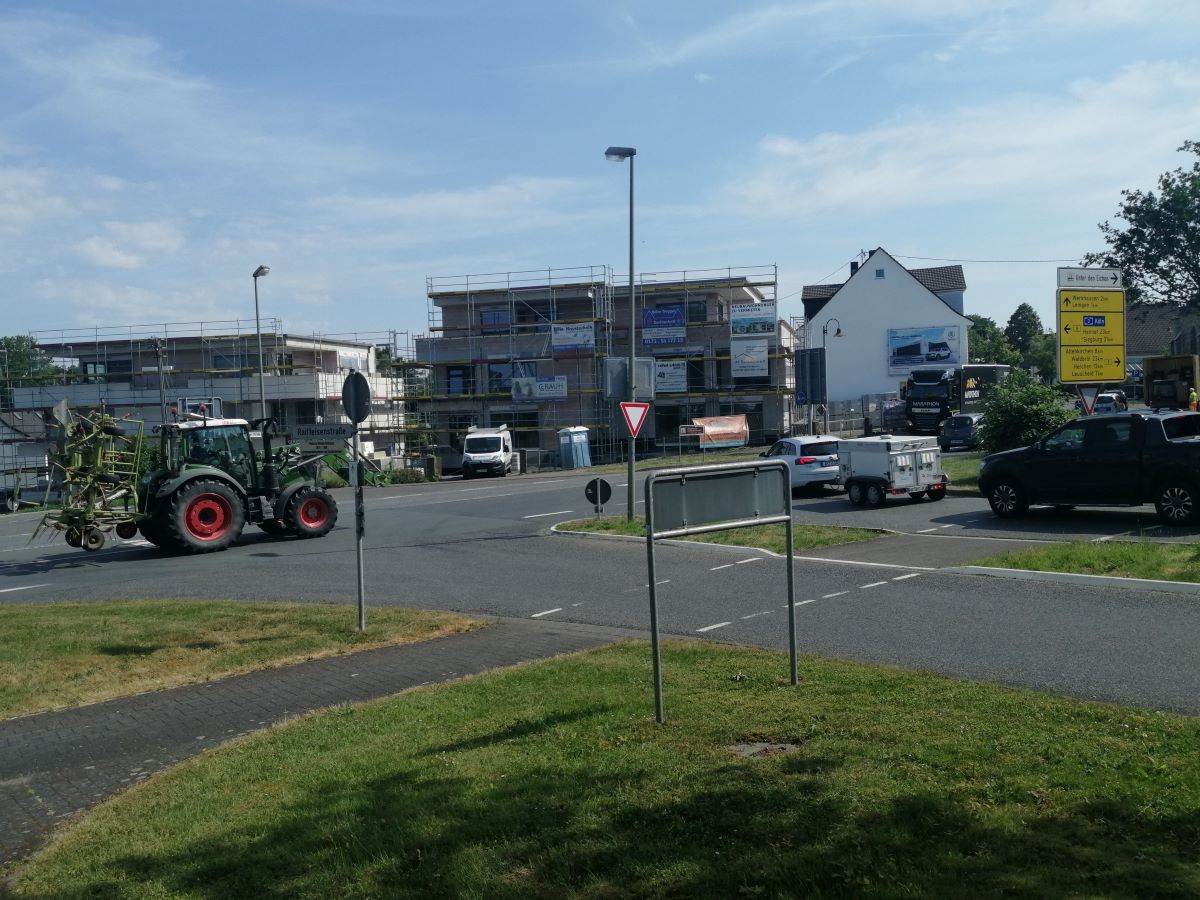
{"x": 1091, "y": 330}
{"x": 1090, "y": 278}
{"x": 323, "y": 437}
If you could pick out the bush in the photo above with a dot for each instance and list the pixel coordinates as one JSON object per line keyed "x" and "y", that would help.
{"x": 406, "y": 476}
{"x": 1020, "y": 411}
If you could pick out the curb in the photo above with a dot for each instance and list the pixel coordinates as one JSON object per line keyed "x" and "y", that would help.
{"x": 1112, "y": 581}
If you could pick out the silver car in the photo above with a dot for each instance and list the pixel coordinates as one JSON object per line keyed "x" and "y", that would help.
{"x": 813, "y": 460}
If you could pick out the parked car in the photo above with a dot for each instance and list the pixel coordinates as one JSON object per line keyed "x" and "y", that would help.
{"x": 960, "y": 432}
{"x": 814, "y": 459}
{"x": 1109, "y": 403}
{"x": 1125, "y": 459}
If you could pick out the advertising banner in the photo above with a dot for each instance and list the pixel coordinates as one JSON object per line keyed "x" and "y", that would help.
{"x": 751, "y": 319}
{"x": 670, "y": 376}
{"x": 748, "y": 358}
{"x": 579, "y": 336}
{"x": 539, "y": 388}
{"x": 664, "y": 325}
{"x": 909, "y": 348}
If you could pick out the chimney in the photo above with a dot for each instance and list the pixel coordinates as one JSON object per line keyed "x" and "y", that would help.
{"x": 853, "y": 267}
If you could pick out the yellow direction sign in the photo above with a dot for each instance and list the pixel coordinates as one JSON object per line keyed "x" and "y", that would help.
{"x": 1091, "y": 336}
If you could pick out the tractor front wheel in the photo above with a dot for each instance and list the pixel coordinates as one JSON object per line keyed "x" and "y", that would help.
{"x": 204, "y": 515}
{"x": 311, "y": 513}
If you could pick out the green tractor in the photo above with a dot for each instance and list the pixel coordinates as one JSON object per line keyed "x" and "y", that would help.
{"x": 214, "y": 480}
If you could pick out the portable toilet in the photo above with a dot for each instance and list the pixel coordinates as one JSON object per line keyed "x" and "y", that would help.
{"x": 574, "y": 452}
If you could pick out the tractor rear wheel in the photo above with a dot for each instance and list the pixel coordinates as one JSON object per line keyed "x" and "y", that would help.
{"x": 311, "y": 513}
{"x": 204, "y": 515}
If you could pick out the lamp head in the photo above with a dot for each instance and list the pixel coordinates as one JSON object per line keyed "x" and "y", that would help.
{"x": 619, "y": 154}
{"x": 261, "y": 271}
{"x": 838, "y": 333}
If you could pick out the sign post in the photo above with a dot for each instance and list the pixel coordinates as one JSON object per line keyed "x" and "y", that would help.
{"x": 356, "y": 401}
{"x": 1091, "y": 329}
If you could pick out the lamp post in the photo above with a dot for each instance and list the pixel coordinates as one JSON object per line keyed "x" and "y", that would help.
{"x": 825, "y": 362}
{"x": 262, "y": 388}
{"x": 620, "y": 154}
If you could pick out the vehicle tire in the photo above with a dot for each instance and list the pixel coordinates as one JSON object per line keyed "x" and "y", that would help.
{"x": 504, "y": 471}
{"x": 11, "y": 504}
{"x": 73, "y": 537}
{"x": 1007, "y": 499}
{"x": 466, "y": 473}
{"x": 274, "y": 527}
{"x": 937, "y": 492}
{"x": 874, "y": 495}
{"x": 126, "y": 530}
{"x": 854, "y": 493}
{"x": 916, "y": 495}
{"x": 151, "y": 531}
{"x": 311, "y": 513}
{"x": 1177, "y": 503}
{"x": 93, "y": 540}
{"x": 204, "y": 515}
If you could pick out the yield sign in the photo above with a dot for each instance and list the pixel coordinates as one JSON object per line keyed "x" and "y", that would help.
{"x": 635, "y": 415}
{"x": 1087, "y": 396}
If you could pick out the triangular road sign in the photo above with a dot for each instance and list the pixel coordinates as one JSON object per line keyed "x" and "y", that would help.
{"x": 635, "y": 415}
{"x": 1087, "y": 396}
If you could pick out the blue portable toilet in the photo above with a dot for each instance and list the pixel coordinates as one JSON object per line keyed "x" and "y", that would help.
{"x": 574, "y": 452}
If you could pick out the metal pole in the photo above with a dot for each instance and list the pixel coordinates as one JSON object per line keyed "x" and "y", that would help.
{"x": 162, "y": 382}
{"x": 825, "y": 366}
{"x": 654, "y": 647}
{"x": 262, "y": 390}
{"x": 632, "y": 354}
{"x": 359, "y": 523}
{"x": 791, "y": 582}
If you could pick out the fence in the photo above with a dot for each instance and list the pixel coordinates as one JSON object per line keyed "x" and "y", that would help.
{"x": 868, "y": 414}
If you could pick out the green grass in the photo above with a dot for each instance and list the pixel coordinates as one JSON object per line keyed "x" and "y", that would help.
{"x": 962, "y": 469}
{"x": 553, "y": 780}
{"x": 1126, "y": 559}
{"x": 768, "y": 537}
{"x": 64, "y": 654}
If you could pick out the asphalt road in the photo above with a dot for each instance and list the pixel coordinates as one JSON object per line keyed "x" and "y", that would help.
{"x": 485, "y": 547}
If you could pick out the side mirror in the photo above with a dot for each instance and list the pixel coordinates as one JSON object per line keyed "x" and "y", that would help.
{"x": 763, "y": 454}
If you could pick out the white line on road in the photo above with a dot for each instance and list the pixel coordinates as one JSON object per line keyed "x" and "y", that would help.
{"x": 951, "y": 525}
{"x": 831, "y": 596}
{"x": 872, "y": 584}
{"x": 909, "y": 575}
{"x": 26, "y": 587}
{"x": 541, "y": 515}
{"x": 765, "y": 612}
{"x": 742, "y": 562}
{"x": 546, "y": 612}
{"x": 926, "y": 530}
{"x": 711, "y": 627}
{"x": 726, "y": 566}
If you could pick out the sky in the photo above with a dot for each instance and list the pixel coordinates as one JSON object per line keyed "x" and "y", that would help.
{"x": 153, "y": 154}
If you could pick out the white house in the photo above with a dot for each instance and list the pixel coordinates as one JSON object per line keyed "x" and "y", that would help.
{"x": 891, "y": 320}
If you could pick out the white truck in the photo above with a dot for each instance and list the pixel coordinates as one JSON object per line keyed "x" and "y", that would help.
{"x": 871, "y": 468}
{"x": 487, "y": 451}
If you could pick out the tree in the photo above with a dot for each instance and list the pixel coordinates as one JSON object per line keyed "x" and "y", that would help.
{"x": 1158, "y": 250}
{"x": 1043, "y": 356}
{"x": 23, "y": 364}
{"x": 1023, "y": 328}
{"x": 986, "y": 343}
{"x": 1019, "y": 411}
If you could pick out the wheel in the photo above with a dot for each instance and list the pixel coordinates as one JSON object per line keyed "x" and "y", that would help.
{"x": 74, "y": 537}
{"x": 1007, "y": 500}
{"x": 874, "y": 495}
{"x": 149, "y": 528}
{"x": 311, "y": 513}
{"x": 854, "y": 493}
{"x": 11, "y": 503}
{"x": 466, "y": 474}
{"x": 274, "y": 527}
{"x": 126, "y": 530}
{"x": 204, "y": 515}
{"x": 1177, "y": 503}
{"x": 93, "y": 540}
{"x": 504, "y": 471}
{"x": 937, "y": 492}
{"x": 916, "y": 495}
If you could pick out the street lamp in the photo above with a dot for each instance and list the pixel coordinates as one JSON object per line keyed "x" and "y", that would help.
{"x": 620, "y": 154}
{"x": 825, "y": 362}
{"x": 262, "y": 388}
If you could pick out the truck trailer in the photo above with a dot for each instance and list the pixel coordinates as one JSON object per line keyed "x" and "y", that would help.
{"x": 1167, "y": 380}
{"x": 932, "y": 394}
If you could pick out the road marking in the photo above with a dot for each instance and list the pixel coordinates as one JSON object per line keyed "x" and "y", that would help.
{"x": 909, "y": 575}
{"x": 926, "y": 530}
{"x": 872, "y": 584}
{"x": 26, "y": 587}
{"x": 726, "y": 566}
{"x": 546, "y": 612}
{"x": 951, "y": 525}
{"x": 742, "y": 562}
{"x": 831, "y": 596}
{"x": 541, "y": 515}
{"x": 711, "y": 627}
{"x": 756, "y": 615}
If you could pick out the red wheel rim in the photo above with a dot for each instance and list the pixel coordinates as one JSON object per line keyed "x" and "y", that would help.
{"x": 208, "y": 517}
{"x": 313, "y": 512}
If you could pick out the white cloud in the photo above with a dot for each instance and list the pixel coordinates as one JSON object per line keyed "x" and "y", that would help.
{"x": 155, "y": 237}
{"x": 102, "y": 252}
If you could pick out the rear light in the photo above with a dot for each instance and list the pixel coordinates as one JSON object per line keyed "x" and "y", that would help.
{"x": 805, "y": 460}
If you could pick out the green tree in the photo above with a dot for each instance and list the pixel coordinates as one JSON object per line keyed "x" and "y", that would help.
{"x": 986, "y": 343}
{"x": 1158, "y": 249}
{"x": 1043, "y": 356}
{"x": 1023, "y": 328}
{"x": 23, "y": 364}
{"x": 1019, "y": 411}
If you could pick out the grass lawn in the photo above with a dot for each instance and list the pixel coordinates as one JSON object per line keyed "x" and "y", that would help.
{"x": 64, "y": 654}
{"x": 1127, "y": 559}
{"x": 962, "y": 469}
{"x": 553, "y": 780}
{"x": 768, "y": 537}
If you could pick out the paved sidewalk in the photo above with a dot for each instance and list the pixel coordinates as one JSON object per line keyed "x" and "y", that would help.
{"x": 56, "y": 764}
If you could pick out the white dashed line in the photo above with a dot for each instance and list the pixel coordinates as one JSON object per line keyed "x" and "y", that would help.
{"x": 546, "y": 612}
{"x": 719, "y": 568}
{"x": 831, "y": 596}
{"x": 872, "y": 584}
{"x": 909, "y": 575}
{"x": 926, "y": 530}
{"x": 540, "y": 515}
{"x": 756, "y": 615}
{"x": 951, "y": 525}
{"x": 26, "y": 587}
{"x": 742, "y": 562}
{"x": 711, "y": 627}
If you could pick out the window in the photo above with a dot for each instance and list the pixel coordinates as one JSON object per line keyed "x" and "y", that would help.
{"x": 524, "y": 429}
{"x": 458, "y": 425}
{"x": 494, "y": 321}
{"x": 1067, "y": 440}
{"x": 500, "y": 375}
{"x": 879, "y": 273}
{"x": 1178, "y": 427}
{"x": 460, "y": 380}
{"x": 695, "y": 374}
{"x": 697, "y": 310}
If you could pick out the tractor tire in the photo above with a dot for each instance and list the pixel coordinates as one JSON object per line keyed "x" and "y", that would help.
{"x": 203, "y": 516}
{"x": 311, "y": 513}
{"x": 151, "y": 530}
{"x": 874, "y": 495}
{"x": 274, "y": 527}
{"x": 1177, "y": 503}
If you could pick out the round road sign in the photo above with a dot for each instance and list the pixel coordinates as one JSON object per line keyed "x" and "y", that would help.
{"x": 598, "y": 491}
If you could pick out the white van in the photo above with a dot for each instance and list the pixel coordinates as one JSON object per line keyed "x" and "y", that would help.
{"x": 487, "y": 451}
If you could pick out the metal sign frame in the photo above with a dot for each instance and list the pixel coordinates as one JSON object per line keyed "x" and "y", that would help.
{"x": 704, "y": 486}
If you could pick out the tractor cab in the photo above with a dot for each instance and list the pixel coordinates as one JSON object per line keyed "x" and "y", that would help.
{"x": 221, "y": 443}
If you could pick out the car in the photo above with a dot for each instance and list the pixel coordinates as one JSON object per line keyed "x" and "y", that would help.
{"x": 813, "y": 458}
{"x": 1109, "y": 403}
{"x": 960, "y": 432}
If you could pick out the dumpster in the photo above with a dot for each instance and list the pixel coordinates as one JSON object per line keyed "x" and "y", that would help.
{"x": 574, "y": 452}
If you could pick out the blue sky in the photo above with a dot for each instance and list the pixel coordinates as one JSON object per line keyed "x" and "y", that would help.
{"x": 153, "y": 154}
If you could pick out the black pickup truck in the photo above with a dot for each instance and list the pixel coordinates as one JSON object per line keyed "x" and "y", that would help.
{"x": 1118, "y": 460}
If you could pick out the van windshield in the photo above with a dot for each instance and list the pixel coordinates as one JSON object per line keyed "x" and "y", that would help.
{"x": 483, "y": 444}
